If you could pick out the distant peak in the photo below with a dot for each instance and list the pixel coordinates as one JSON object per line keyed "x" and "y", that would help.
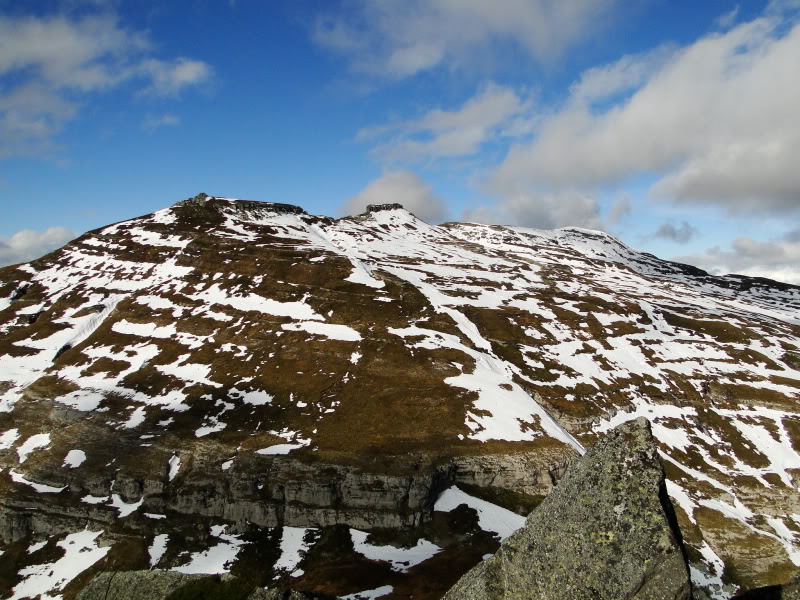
{"x": 201, "y": 198}
{"x": 278, "y": 207}
{"x": 242, "y": 205}
{"x": 371, "y": 208}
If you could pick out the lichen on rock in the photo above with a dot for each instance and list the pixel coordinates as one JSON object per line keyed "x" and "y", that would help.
{"x": 605, "y": 532}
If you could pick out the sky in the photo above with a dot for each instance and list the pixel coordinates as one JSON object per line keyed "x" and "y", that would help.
{"x": 673, "y": 125}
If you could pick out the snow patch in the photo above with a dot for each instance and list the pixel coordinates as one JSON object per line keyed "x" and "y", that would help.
{"x": 157, "y": 549}
{"x": 491, "y": 517}
{"x": 40, "y": 581}
{"x": 174, "y": 466}
{"x": 217, "y": 559}
{"x": 123, "y": 507}
{"x": 293, "y": 549}
{"x": 327, "y": 330}
{"x": 74, "y": 459}
{"x": 283, "y": 448}
{"x": 40, "y": 440}
{"x": 401, "y": 559}
{"x": 379, "y": 592}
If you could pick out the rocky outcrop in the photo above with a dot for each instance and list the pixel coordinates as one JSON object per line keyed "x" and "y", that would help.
{"x": 269, "y": 491}
{"x": 606, "y": 532}
{"x": 532, "y": 473}
{"x": 371, "y": 208}
{"x": 135, "y": 585}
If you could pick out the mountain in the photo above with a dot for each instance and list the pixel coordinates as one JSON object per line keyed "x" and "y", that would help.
{"x": 367, "y": 405}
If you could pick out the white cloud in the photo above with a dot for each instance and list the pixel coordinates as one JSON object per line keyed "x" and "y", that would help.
{"x": 547, "y": 210}
{"x": 621, "y": 208}
{"x": 169, "y": 78}
{"x": 494, "y": 112}
{"x": 402, "y": 187}
{"x": 712, "y": 123}
{"x": 680, "y": 234}
{"x": 152, "y": 122}
{"x": 726, "y": 20}
{"x": 716, "y": 121}
{"x": 27, "y": 244}
{"x": 53, "y": 64}
{"x": 779, "y": 259}
{"x": 620, "y": 77}
{"x": 400, "y": 39}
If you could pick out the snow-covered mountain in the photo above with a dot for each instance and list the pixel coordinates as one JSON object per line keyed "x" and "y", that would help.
{"x": 226, "y": 383}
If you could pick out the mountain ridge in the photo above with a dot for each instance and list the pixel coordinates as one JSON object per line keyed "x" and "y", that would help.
{"x": 249, "y": 365}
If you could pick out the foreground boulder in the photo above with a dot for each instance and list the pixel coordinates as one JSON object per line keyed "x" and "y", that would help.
{"x": 605, "y": 532}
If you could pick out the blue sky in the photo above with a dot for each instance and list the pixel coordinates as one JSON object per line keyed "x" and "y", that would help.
{"x": 671, "y": 124}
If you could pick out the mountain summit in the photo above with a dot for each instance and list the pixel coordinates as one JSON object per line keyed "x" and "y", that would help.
{"x": 228, "y": 385}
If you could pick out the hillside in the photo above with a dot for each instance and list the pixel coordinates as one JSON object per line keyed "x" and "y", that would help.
{"x": 225, "y": 385}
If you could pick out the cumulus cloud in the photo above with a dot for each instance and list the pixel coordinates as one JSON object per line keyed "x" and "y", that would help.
{"x": 401, "y": 39}
{"x": 680, "y": 234}
{"x": 541, "y": 210}
{"x": 494, "y": 112}
{"x": 170, "y": 77}
{"x": 52, "y": 64}
{"x": 778, "y": 259}
{"x": 711, "y": 123}
{"x": 28, "y": 244}
{"x": 403, "y": 187}
{"x": 715, "y": 121}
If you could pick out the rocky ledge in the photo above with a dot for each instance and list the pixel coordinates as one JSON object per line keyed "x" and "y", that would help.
{"x": 606, "y": 532}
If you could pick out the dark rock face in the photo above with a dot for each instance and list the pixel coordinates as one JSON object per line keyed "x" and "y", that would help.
{"x": 604, "y": 533}
{"x": 379, "y": 207}
{"x": 790, "y": 591}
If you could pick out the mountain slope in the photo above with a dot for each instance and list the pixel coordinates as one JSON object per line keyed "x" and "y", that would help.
{"x": 247, "y": 364}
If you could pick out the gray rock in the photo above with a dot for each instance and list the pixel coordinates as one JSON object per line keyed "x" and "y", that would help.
{"x": 135, "y": 585}
{"x": 603, "y": 533}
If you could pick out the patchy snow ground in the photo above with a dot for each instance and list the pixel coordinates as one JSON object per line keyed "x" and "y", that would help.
{"x": 491, "y": 517}
{"x": 218, "y": 558}
{"x": 378, "y": 592}
{"x": 601, "y": 324}
{"x": 45, "y": 581}
{"x": 157, "y": 549}
{"x": 293, "y": 549}
{"x": 74, "y": 459}
{"x": 400, "y": 559}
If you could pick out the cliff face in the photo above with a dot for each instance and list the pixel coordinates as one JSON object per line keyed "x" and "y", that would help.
{"x": 296, "y": 380}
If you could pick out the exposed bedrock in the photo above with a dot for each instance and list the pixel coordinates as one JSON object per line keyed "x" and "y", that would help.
{"x": 266, "y": 492}
{"x": 606, "y": 532}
